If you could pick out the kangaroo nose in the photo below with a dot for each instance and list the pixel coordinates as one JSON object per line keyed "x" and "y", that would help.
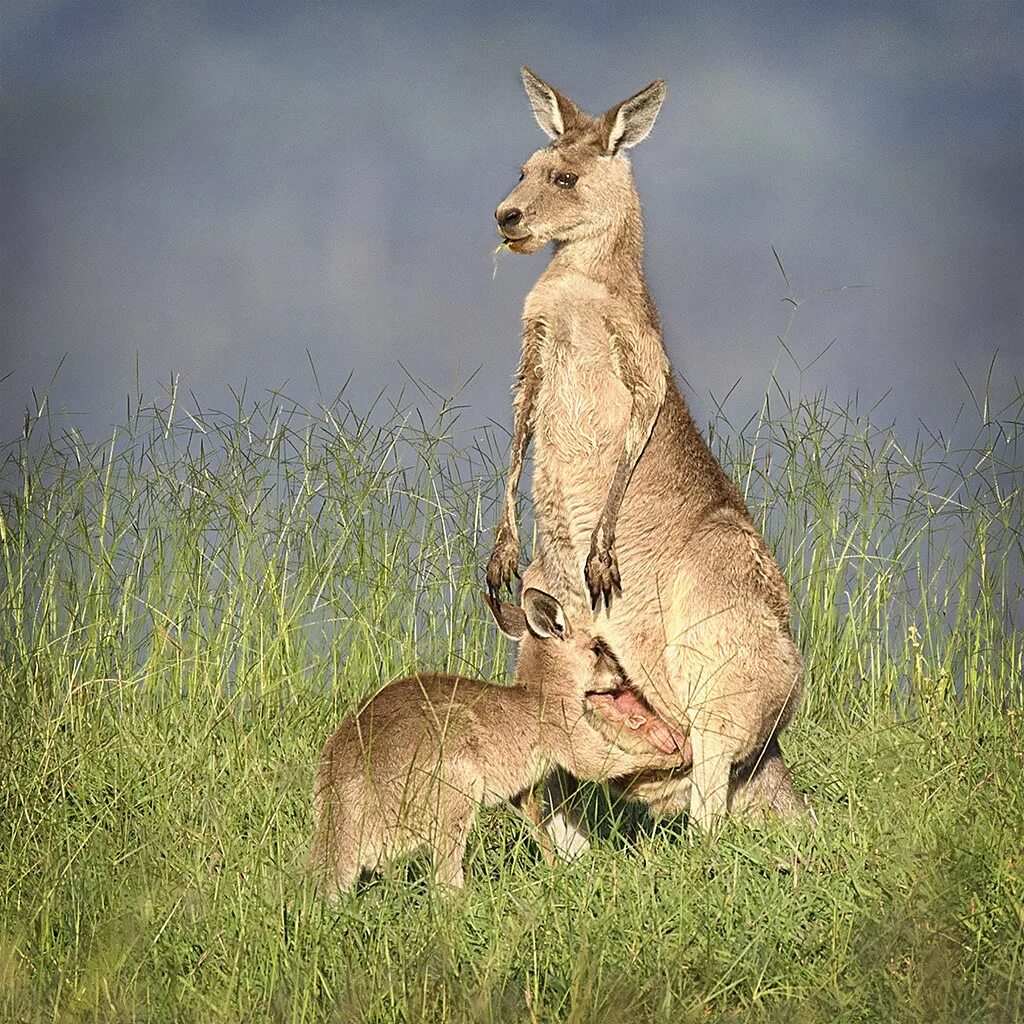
{"x": 508, "y": 218}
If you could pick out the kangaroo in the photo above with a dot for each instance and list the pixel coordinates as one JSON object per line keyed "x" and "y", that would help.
{"x": 413, "y": 765}
{"x": 630, "y": 503}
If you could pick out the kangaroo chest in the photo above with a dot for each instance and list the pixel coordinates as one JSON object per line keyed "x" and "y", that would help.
{"x": 582, "y": 406}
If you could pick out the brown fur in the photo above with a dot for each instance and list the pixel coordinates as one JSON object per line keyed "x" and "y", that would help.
{"x": 413, "y": 765}
{"x": 634, "y": 512}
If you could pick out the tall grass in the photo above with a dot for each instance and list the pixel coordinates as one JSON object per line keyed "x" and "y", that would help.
{"x": 190, "y": 605}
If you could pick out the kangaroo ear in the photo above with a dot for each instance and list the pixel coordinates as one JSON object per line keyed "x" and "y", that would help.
{"x": 632, "y": 120}
{"x": 544, "y": 615}
{"x": 555, "y": 113}
{"x": 510, "y": 618}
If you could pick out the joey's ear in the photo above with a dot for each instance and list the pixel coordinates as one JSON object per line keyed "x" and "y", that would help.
{"x": 555, "y": 113}
{"x": 632, "y": 120}
{"x": 544, "y": 615}
{"x": 510, "y": 618}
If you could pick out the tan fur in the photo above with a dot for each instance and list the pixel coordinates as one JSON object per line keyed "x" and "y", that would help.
{"x": 413, "y": 765}
{"x": 634, "y": 512}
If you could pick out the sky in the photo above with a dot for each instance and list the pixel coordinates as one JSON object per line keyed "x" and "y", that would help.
{"x": 225, "y": 192}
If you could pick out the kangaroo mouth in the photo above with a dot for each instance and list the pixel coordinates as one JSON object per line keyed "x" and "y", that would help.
{"x": 516, "y": 242}
{"x": 625, "y": 706}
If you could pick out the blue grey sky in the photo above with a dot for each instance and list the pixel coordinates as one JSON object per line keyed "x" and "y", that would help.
{"x": 211, "y": 190}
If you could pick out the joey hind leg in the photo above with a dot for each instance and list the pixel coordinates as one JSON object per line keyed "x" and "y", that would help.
{"x": 449, "y": 850}
{"x": 450, "y": 832}
{"x": 448, "y": 864}
{"x": 340, "y": 880}
{"x": 335, "y": 864}
{"x": 531, "y": 805}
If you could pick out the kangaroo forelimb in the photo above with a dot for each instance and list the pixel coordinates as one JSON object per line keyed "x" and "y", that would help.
{"x": 504, "y": 561}
{"x": 642, "y": 368}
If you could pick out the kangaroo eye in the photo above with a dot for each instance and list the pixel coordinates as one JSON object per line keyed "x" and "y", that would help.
{"x": 566, "y": 180}
{"x": 522, "y": 174}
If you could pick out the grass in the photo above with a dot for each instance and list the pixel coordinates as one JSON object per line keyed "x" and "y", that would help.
{"x": 189, "y": 607}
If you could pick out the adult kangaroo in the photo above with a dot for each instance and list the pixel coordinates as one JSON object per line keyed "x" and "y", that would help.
{"x": 634, "y": 513}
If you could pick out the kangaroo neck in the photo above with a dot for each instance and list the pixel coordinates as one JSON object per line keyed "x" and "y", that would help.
{"x": 554, "y": 739}
{"x": 613, "y": 257}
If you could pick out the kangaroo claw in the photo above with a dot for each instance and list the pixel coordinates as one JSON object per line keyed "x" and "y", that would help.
{"x": 503, "y": 564}
{"x": 602, "y": 577}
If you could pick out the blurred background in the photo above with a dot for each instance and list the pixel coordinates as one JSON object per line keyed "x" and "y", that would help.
{"x": 229, "y": 192}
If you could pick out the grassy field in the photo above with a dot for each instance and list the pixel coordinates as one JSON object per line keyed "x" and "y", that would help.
{"x": 190, "y": 606}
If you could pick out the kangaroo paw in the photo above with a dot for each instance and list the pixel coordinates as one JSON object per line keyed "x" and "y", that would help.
{"x": 602, "y": 576}
{"x": 503, "y": 564}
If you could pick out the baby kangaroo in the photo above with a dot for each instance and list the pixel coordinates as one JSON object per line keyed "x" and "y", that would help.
{"x": 410, "y": 769}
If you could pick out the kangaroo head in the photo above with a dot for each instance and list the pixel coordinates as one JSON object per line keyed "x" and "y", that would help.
{"x": 580, "y": 185}
{"x": 554, "y": 656}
